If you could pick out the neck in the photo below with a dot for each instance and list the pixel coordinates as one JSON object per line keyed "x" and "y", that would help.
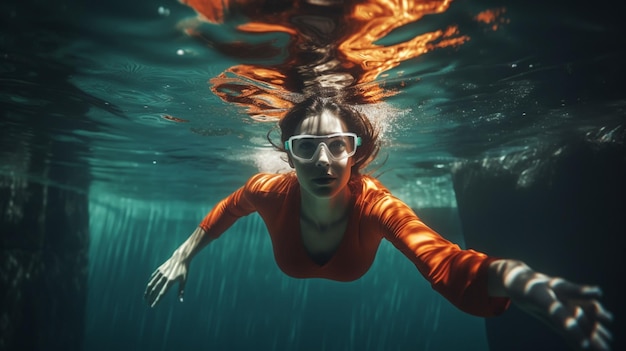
{"x": 322, "y": 212}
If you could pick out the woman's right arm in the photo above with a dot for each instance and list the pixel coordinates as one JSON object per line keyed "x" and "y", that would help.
{"x": 216, "y": 222}
{"x": 175, "y": 268}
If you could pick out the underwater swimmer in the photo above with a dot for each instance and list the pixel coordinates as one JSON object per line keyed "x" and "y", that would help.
{"x": 326, "y": 220}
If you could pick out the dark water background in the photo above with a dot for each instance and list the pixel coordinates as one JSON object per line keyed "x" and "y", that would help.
{"x": 84, "y": 86}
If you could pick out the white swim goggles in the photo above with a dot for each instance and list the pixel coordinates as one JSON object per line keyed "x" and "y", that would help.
{"x": 306, "y": 148}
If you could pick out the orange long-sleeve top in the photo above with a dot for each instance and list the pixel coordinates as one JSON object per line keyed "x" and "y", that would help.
{"x": 457, "y": 274}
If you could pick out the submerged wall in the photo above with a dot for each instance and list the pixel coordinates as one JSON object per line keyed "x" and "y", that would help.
{"x": 561, "y": 209}
{"x": 43, "y": 184}
{"x": 43, "y": 266}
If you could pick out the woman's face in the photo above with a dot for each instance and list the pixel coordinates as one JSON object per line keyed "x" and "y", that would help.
{"x": 323, "y": 176}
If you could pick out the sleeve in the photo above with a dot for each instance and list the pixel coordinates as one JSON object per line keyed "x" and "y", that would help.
{"x": 227, "y": 211}
{"x": 458, "y": 275}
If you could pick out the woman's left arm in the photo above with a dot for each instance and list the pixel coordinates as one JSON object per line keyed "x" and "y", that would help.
{"x": 571, "y": 309}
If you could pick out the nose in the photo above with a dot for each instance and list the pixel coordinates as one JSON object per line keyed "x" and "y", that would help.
{"x": 323, "y": 160}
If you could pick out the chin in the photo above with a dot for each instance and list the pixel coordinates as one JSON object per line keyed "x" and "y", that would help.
{"x": 324, "y": 192}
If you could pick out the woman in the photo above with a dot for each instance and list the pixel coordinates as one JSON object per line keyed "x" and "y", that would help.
{"x": 327, "y": 220}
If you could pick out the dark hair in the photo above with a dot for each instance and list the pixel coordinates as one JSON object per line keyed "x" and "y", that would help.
{"x": 355, "y": 121}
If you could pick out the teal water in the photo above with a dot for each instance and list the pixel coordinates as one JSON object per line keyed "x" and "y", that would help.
{"x": 95, "y": 80}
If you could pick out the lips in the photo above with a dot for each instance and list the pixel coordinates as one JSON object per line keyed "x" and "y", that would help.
{"x": 323, "y": 180}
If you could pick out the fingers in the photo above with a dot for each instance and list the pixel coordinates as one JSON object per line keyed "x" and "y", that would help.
{"x": 597, "y": 317}
{"x": 603, "y": 332}
{"x": 157, "y": 287}
{"x": 571, "y": 323}
{"x": 161, "y": 282}
{"x": 584, "y": 297}
{"x": 153, "y": 279}
{"x": 582, "y": 322}
{"x": 572, "y": 290}
{"x": 573, "y": 310}
{"x": 591, "y": 291}
{"x": 599, "y": 339}
{"x": 150, "y": 287}
{"x": 595, "y": 310}
{"x": 161, "y": 288}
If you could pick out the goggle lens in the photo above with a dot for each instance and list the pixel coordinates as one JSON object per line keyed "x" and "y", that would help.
{"x": 339, "y": 145}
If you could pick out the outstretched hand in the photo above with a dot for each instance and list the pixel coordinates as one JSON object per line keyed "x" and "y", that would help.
{"x": 172, "y": 271}
{"x": 573, "y": 310}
